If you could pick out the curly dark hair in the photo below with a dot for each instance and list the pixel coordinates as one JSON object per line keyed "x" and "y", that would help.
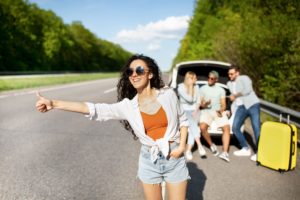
{"x": 125, "y": 88}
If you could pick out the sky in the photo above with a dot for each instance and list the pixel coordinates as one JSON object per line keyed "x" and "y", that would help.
{"x": 150, "y": 27}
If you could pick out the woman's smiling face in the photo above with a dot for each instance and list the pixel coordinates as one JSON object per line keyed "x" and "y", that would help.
{"x": 139, "y": 74}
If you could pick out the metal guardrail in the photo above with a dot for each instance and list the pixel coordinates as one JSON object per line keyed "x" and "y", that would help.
{"x": 287, "y": 114}
{"x": 276, "y": 110}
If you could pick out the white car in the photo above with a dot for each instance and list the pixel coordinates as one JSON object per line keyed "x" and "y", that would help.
{"x": 202, "y": 68}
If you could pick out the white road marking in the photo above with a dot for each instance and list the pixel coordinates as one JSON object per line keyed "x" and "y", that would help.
{"x": 110, "y": 90}
{"x": 33, "y": 90}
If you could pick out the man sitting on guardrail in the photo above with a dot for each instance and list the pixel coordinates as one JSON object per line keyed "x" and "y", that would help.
{"x": 213, "y": 108}
{"x": 247, "y": 105}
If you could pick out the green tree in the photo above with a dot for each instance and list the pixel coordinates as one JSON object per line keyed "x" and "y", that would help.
{"x": 32, "y": 39}
{"x": 262, "y": 37}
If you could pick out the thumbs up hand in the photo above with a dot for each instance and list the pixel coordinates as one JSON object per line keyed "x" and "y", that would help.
{"x": 43, "y": 104}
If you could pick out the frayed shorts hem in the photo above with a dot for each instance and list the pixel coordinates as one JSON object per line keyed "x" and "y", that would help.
{"x": 159, "y": 182}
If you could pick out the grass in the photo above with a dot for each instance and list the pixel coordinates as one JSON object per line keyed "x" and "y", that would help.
{"x": 265, "y": 117}
{"x": 37, "y": 81}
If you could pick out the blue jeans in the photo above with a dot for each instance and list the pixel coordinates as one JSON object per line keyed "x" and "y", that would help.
{"x": 240, "y": 116}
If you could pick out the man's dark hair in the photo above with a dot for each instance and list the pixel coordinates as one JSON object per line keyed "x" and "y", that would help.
{"x": 235, "y": 67}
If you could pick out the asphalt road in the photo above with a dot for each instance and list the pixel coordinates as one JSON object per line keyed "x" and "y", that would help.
{"x": 60, "y": 155}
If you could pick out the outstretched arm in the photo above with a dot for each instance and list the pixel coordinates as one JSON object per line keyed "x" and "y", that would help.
{"x": 43, "y": 105}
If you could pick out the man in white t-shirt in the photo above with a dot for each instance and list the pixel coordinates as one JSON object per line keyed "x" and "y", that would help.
{"x": 213, "y": 108}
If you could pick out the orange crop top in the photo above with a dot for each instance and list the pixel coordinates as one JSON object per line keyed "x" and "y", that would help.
{"x": 156, "y": 124}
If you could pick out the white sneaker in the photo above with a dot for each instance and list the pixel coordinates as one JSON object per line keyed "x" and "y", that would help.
{"x": 224, "y": 155}
{"x": 214, "y": 149}
{"x": 188, "y": 155}
{"x": 242, "y": 152}
{"x": 201, "y": 151}
{"x": 253, "y": 157}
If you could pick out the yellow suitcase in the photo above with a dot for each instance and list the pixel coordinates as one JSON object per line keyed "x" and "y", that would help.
{"x": 277, "y": 147}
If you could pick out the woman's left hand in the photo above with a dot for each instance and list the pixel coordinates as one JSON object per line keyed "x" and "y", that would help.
{"x": 176, "y": 153}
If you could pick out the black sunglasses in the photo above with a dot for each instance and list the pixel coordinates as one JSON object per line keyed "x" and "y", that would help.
{"x": 139, "y": 71}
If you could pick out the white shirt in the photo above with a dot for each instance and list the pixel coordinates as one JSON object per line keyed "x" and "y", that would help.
{"x": 244, "y": 86}
{"x": 188, "y": 102}
{"x": 213, "y": 93}
{"x": 238, "y": 101}
{"x": 129, "y": 110}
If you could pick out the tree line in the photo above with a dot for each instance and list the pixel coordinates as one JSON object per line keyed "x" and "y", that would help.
{"x": 262, "y": 37}
{"x": 33, "y": 39}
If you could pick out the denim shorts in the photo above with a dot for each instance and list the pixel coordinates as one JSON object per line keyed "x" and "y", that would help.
{"x": 170, "y": 170}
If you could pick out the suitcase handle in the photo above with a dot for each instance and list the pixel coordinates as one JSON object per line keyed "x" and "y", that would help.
{"x": 293, "y": 148}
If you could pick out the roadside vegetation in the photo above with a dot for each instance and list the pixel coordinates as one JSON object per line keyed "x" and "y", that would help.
{"x": 262, "y": 37}
{"x": 31, "y": 82}
{"x": 33, "y": 39}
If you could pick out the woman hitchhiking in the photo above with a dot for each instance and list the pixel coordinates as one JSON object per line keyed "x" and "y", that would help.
{"x": 153, "y": 114}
